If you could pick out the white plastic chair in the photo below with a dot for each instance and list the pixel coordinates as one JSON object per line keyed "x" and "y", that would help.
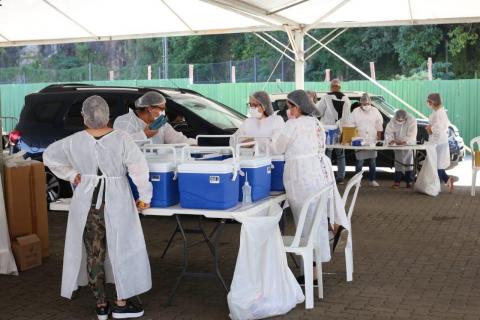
{"x": 475, "y": 169}
{"x": 305, "y": 247}
{"x": 355, "y": 181}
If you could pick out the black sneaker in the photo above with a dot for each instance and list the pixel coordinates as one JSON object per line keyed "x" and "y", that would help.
{"x": 129, "y": 310}
{"x": 102, "y": 312}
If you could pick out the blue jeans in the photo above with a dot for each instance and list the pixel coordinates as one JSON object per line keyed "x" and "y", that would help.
{"x": 408, "y": 176}
{"x": 340, "y": 155}
{"x": 443, "y": 175}
{"x": 372, "y": 168}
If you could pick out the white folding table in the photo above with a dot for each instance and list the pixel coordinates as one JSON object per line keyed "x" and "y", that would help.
{"x": 211, "y": 240}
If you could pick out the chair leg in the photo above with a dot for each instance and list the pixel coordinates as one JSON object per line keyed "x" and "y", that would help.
{"x": 349, "y": 258}
{"x": 474, "y": 182}
{"x": 318, "y": 264}
{"x": 308, "y": 273}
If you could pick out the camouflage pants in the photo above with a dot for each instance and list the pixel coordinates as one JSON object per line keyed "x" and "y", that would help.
{"x": 94, "y": 238}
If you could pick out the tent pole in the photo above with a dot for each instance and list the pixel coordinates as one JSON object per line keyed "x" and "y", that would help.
{"x": 375, "y": 82}
{"x": 299, "y": 60}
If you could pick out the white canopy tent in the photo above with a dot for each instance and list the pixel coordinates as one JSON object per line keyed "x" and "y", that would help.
{"x": 25, "y": 22}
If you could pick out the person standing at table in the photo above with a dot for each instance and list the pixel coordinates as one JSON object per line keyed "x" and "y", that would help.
{"x": 334, "y": 110}
{"x": 401, "y": 131}
{"x": 307, "y": 168}
{"x": 369, "y": 122}
{"x": 261, "y": 123}
{"x": 104, "y": 240}
{"x": 438, "y": 134}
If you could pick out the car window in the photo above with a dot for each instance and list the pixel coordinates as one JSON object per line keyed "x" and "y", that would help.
{"x": 44, "y": 112}
{"x": 218, "y": 115}
{"x": 381, "y": 104}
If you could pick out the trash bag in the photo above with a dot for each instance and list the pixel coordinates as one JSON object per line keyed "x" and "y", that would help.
{"x": 427, "y": 179}
{"x": 263, "y": 285}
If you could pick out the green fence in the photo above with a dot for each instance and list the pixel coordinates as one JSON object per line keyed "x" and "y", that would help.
{"x": 461, "y": 97}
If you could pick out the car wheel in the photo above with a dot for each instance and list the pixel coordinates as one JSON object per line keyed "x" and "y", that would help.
{"x": 420, "y": 157}
{"x": 53, "y": 187}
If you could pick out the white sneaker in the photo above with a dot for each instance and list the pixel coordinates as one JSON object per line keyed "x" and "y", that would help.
{"x": 373, "y": 184}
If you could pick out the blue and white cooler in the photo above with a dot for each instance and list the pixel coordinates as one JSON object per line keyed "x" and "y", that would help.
{"x": 278, "y": 165}
{"x": 162, "y": 167}
{"x": 208, "y": 184}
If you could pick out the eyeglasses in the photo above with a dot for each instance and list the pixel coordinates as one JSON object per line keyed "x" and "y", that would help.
{"x": 253, "y": 105}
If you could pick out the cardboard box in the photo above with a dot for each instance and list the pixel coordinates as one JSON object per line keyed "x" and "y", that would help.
{"x": 348, "y": 133}
{"x": 27, "y": 252}
{"x": 477, "y": 158}
{"x": 25, "y": 199}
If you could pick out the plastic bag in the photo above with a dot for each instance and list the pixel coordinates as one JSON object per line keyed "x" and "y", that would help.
{"x": 427, "y": 179}
{"x": 263, "y": 285}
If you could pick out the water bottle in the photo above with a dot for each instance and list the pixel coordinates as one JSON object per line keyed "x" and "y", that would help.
{"x": 246, "y": 191}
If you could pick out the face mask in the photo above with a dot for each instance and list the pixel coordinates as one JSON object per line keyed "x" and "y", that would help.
{"x": 400, "y": 122}
{"x": 367, "y": 107}
{"x": 162, "y": 113}
{"x": 255, "y": 114}
{"x": 290, "y": 115}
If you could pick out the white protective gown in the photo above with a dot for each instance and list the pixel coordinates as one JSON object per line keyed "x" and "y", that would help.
{"x": 440, "y": 123}
{"x": 406, "y": 131}
{"x": 367, "y": 122}
{"x": 307, "y": 169}
{"x": 329, "y": 116}
{"x": 253, "y": 127}
{"x": 132, "y": 124}
{"x": 114, "y": 154}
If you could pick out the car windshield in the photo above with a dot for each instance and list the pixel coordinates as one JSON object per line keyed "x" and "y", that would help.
{"x": 216, "y": 114}
{"x": 387, "y": 109}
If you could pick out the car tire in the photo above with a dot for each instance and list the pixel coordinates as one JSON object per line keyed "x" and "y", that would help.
{"x": 420, "y": 157}
{"x": 53, "y": 187}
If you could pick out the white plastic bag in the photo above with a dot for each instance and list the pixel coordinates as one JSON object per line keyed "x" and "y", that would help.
{"x": 263, "y": 285}
{"x": 427, "y": 179}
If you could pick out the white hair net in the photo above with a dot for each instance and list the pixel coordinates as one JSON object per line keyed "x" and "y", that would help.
{"x": 264, "y": 99}
{"x": 151, "y": 98}
{"x": 95, "y": 112}
{"x": 400, "y": 115}
{"x": 301, "y": 99}
{"x": 365, "y": 98}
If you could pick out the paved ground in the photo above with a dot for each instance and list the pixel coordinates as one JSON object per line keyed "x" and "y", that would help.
{"x": 416, "y": 257}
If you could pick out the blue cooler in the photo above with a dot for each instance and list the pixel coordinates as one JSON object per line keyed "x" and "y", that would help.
{"x": 208, "y": 185}
{"x": 258, "y": 170}
{"x": 164, "y": 182}
{"x": 278, "y": 165}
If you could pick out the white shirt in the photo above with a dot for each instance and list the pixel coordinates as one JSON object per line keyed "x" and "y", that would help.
{"x": 367, "y": 122}
{"x": 135, "y": 126}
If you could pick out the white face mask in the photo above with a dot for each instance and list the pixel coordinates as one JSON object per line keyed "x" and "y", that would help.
{"x": 290, "y": 115}
{"x": 254, "y": 113}
{"x": 162, "y": 113}
{"x": 367, "y": 107}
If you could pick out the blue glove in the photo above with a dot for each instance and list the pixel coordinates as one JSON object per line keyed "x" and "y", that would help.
{"x": 158, "y": 123}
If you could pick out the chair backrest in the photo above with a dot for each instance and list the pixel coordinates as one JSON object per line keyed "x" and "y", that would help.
{"x": 318, "y": 202}
{"x": 473, "y": 142}
{"x": 353, "y": 182}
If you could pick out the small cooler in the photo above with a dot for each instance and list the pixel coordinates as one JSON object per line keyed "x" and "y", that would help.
{"x": 208, "y": 184}
{"x": 278, "y": 165}
{"x": 258, "y": 171}
{"x": 162, "y": 175}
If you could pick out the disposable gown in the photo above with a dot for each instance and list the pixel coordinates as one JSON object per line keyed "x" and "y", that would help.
{"x": 132, "y": 124}
{"x": 115, "y": 154}
{"x": 329, "y": 116}
{"x": 307, "y": 169}
{"x": 253, "y": 127}
{"x": 440, "y": 123}
{"x": 405, "y": 131}
{"x": 367, "y": 122}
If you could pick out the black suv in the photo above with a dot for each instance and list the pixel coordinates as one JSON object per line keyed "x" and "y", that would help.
{"x": 53, "y": 113}
{"x": 386, "y": 158}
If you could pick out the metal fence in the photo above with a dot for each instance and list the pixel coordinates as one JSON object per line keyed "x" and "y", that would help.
{"x": 461, "y": 97}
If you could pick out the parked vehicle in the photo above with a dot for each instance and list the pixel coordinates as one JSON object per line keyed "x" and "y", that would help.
{"x": 54, "y": 113}
{"x": 386, "y": 158}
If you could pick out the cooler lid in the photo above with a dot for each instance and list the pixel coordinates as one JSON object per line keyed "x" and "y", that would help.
{"x": 256, "y": 162}
{"x": 212, "y": 167}
{"x": 279, "y": 157}
{"x": 160, "y": 163}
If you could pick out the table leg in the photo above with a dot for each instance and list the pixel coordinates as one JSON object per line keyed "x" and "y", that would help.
{"x": 216, "y": 237}
{"x": 185, "y": 260}
{"x": 170, "y": 241}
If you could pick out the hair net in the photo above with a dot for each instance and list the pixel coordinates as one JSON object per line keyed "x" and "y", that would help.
{"x": 435, "y": 99}
{"x": 151, "y": 98}
{"x": 400, "y": 115}
{"x": 365, "y": 98}
{"x": 264, "y": 99}
{"x": 335, "y": 82}
{"x": 301, "y": 99}
{"x": 95, "y": 112}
